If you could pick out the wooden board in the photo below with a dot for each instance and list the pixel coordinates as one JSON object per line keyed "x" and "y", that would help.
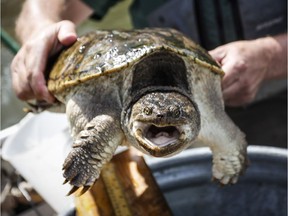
{"x": 126, "y": 187}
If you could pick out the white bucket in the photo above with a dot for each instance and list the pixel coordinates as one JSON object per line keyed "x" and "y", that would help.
{"x": 37, "y": 150}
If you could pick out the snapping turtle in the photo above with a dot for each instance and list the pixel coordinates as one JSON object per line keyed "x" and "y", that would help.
{"x": 153, "y": 88}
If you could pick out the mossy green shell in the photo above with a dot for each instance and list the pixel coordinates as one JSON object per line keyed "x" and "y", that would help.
{"x": 102, "y": 52}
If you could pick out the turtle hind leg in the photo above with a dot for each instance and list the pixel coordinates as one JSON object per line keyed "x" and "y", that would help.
{"x": 93, "y": 147}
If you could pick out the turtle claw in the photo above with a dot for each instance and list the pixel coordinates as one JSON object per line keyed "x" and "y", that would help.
{"x": 84, "y": 190}
{"x": 73, "y": 190}
{"x": 65, "y": 181}
{"x": 225, "y": 181}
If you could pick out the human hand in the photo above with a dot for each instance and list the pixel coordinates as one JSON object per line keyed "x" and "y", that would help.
{"x": 28, "y": 66}
{"x": 245, "y": 64}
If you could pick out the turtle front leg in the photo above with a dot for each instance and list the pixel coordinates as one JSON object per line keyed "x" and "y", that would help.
{"x": 228, "y": 146}
{"x": 226, "y": 141}
{"x": 93, "y": 147}
{"x": 229, "y": 154}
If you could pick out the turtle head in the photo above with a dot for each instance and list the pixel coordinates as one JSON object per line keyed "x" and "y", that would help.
{"x": 163, "y": 123}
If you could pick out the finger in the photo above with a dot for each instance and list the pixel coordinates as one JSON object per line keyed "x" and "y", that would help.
{"x": 22, "y": 90}
{"x": 218, "y": 54}
{"x": 228, "y": 66}
{"x": 19, "y": 80}
{"x": 35, "y": 74}
{"x": 232, "y": 74}
{"x": 238, "y": 95}
{"x": 39, "y": 88}
{"x": 35, "y": 63}
{"x": 230, "y": 92}
{"x": 233, "y": 69}
{"x": 66, "y": 33}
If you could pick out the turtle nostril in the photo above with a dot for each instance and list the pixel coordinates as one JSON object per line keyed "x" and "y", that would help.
{"x": 160, "y": 116}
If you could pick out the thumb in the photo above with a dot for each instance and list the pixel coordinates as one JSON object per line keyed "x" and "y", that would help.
{"x": 67, "y": 32}
{"x": 218, "y": 54}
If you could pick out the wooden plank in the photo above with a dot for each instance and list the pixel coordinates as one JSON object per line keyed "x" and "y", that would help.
{"x": 126, "y": 187}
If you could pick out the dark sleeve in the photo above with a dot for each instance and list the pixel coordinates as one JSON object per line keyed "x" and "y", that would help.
{"x": 100, "y": 7}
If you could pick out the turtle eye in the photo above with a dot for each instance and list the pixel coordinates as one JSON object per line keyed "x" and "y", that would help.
{"x": 174, "y": 111}
{"x": 147, "y": 110}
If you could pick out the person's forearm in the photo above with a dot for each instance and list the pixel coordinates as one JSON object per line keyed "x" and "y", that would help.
{"x": 36, "y": 14}
{"x": 276, "y": 49}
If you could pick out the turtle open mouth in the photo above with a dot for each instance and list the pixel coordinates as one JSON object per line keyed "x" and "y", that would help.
{"x": 160, "y": 140}
{"x": 161, "y": 136}
{"x": 156, "y": 136}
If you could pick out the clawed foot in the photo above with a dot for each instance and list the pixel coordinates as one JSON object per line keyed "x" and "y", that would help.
{"x": 93, "y": 147}
{"x": 227, "y": 168}
{"x": 81, "y": 170}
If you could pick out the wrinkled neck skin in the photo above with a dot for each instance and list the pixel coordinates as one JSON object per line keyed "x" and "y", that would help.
{"x": 162, "y": 124}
